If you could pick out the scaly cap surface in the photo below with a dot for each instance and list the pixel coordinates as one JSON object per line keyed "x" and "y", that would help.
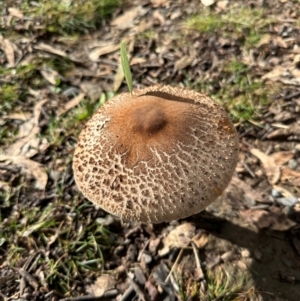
{"x": 164, "y": 154}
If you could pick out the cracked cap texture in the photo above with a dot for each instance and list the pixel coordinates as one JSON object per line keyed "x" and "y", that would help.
{"x": 163, "y": 154}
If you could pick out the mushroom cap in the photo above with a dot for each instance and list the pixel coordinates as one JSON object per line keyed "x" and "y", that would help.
{"x": 162, "y": 154}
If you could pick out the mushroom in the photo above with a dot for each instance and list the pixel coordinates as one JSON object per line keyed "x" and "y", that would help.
{"x": 162, "y": 154}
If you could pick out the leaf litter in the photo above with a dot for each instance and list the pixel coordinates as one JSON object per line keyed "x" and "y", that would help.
{"x": 258, "y": 211}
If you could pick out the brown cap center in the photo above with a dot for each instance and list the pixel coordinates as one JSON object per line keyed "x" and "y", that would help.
{"x": 148, "y": 119}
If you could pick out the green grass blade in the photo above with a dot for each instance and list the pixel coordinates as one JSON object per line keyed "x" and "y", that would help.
{"x": 126, "y": 66}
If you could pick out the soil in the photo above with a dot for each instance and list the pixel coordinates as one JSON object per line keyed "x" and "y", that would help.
{"x": 251, "y": 231}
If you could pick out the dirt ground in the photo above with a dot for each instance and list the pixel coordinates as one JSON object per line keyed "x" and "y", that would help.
{"x": 54, "y": 245}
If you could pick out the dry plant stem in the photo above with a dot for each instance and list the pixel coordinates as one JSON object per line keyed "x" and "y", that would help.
{"x": 127, "y": 293}
{"x": 136, "y": 288}
{"x": 143, "y": 249}
{"x": 176, "y": 262}
{"x": 199, "y": 269}
{"x": 29, "y": 278}
{"x": 93, "y": 298}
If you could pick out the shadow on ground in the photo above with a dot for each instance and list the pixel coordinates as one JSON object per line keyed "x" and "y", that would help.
{"x": 273, "y": 262}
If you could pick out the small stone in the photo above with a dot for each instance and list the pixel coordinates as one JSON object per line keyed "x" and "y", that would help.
{"x": 131, "y": 253}
{"x": 227, "y": 256}
{"x": 271, "y": 199}
{"x": 293, "y": 164}
{"x": 245, "y": 253}
{"x": 139, "y": 276}
{"x": 147, "y": 258}
{"x": 212, "y": 261}
{"x": 108, "y": 220}
{"x": 257, "y": 254}
{"x": 55, "y": 175}
{"x": 286, "y": 261}
{"x": 289, "y": 201}
{"x": 289, "y": 211}
{"x": 241, "y": 265}
{"x": 208, "y": 2}
{"x": 153, "y": 245}
{"x": 250, "y": 202}
{"x": 222, "y": 4}
{"x": 275, "y": 193}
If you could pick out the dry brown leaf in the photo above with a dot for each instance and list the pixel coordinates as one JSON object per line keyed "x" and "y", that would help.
{"x": 280, "y": 125}
{"x": 248, "y": 190}
{"x": 282, "y": 158}
{"x": 283, "y": 191}
{"x": 264, "y": 219}
{"x": 137, "y": 60}
{"x": 4, "y": 186}
{"x": 201, "y": 240}
{"x": 180, "y": 236}
{"x": 157, "y": 15}
{"x": 34, "y": 168}
{"x": 91, "y": 89}
{"x": 294, "y": 129}
{"x": 8, "y": 49}
{"x": 18, "y": 116}
{"x": 49, "y": 48}
{"x": 27, "y": 133}
{"x": 289, "y": 176}
{"x": 144, "y": 25}
{"x": 96, "y": 52}
{"x": 71, "y": 104}
{"x": 15, "y": 12}
{"x": 51, "y": 76}
{"x": 265, "y": 40}
{"x": 183, "y": 62}
{"x": 126, "y": 20}
{"x": 157, "y": 3}
{"x": 101, "y": 285}
{"x": 283, "y": 116}
{"x": 290, "y": 81}
{"x": 34, "y": 146}
{"x": 275, "y": 73}
{"x": 279, "y": 41}
{"x": 271, "y": 168}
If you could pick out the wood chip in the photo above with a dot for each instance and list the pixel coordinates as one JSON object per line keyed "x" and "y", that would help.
{"x": 71, "y": 104}
{"x": 248, "y": 190}
{"x": 271, "y": 168}
{"x": 27, "y": 133}
{"x": 36, "y": 169}
{"x": 264, "y": 219}
{"x": 102, "y": 284}
{"x": 8, "y": 49}
{"x": 282, "y": 158}
{"x": 291, "y": 177}
{"x": 96, "y": 52}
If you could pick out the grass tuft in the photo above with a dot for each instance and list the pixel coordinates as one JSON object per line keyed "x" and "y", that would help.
{"x": 220, "y": 285}
{"x": 77, "y": 241}
{"x": 240, "y": 92}
{"x": 239, "y": 21}
{"x": 68, "y": 16}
